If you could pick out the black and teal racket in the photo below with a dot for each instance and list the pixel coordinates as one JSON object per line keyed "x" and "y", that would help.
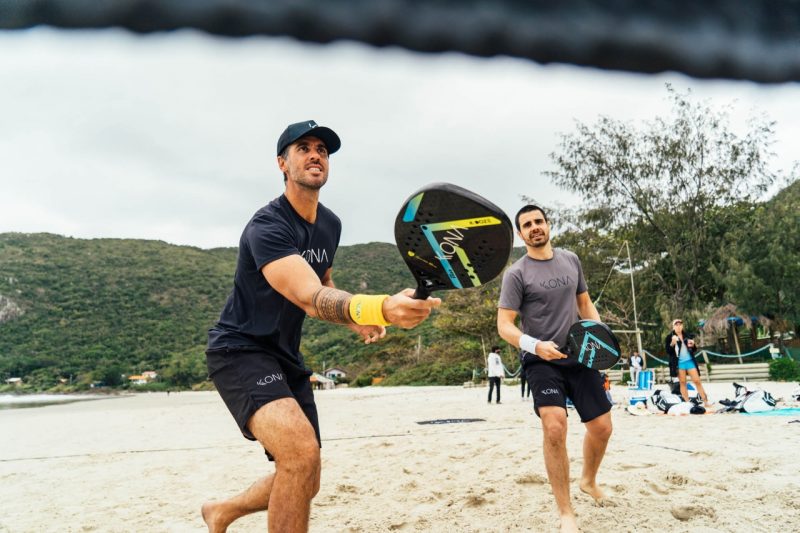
{"x": 451, "y": 238}
{"x": 592, "y": 344}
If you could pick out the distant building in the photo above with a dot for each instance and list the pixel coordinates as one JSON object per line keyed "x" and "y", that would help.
{"x": 14, "y": 381}
{"x": 318, "y": 381}
{"x": 335, "y": 373}
{"x": 144, "y": 378}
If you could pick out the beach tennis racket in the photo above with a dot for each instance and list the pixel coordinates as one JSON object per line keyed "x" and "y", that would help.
{"x": 592, "y": 344}
{"x": 451, "y": 238}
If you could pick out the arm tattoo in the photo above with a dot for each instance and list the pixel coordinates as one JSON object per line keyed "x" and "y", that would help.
{"x": 332, "y": 305}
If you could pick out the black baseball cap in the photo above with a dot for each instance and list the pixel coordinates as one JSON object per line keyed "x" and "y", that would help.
{"x": 308, "y": 127}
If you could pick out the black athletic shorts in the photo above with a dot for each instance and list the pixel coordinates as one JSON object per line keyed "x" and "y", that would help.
{"x": 247, "y": 379}
{"x": 552, "y": 384}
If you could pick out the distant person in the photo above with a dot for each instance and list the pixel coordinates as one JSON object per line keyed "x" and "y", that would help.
{"x": 607, "y": 386}
{"x": 681, "y": 348}
{"x": 523, "y": 383}
{"x": 283, "y": 273}
{"x": 546, "y": 289}
{"x": 635, "y": 363}
{"x": 496, "y": 372}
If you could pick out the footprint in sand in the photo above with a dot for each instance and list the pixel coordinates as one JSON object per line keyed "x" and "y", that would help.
{"x": 687, "y": 512}
{"x": 606, "y": 502}
{"x": 475, "y": 501}
{"x": 532, "y": 479}
{"x": 752, "y": 469}
{"x": 619, "y": 489}
{"x": 658, "y": 490}
{"x": 677, "y": 479}
{"x": 632, "y": 467}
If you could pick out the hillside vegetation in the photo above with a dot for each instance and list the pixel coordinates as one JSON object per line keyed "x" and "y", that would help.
{"x": 83, "y": 311}
{"x": 75, "y": 311}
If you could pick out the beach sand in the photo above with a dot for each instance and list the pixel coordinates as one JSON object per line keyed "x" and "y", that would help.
{"x": 146, "y": 462}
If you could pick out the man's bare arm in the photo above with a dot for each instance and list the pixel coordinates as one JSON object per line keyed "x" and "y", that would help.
{"x": 508, "y": 330}
{"x": 294, "y": 278}
{"x": 586, "y": 308}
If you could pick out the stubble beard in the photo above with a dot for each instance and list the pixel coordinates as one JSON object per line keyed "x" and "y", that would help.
{"x": 311, "y": 186}
{"x": 309, "y": 183}
{"x": 533, "y": 244}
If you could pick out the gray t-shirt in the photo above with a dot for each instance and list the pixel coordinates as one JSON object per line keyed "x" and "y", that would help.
{"x": 543, "y": 293}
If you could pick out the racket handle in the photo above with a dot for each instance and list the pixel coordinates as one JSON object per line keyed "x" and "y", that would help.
{"x": 421, "y": 293}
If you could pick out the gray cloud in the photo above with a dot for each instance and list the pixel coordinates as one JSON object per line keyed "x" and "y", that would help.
{"x": 172, "y": 137}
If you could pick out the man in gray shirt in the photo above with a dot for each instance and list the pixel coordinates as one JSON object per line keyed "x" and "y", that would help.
{"x": 547, "y": 290}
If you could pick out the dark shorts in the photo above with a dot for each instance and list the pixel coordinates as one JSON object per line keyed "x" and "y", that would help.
{"x": 552, "y": 384}
{"x": 249, "y": 379}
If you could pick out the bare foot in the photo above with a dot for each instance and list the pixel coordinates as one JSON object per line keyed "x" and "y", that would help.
{"x": 593, "y": 490}
{"x": 569, "y": 524}
{"x": 212, "y": 517}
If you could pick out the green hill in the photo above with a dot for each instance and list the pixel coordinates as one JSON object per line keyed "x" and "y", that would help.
{"x": 89, "y": 310}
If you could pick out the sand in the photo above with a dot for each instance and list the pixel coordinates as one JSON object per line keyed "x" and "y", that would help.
{"x": 147, "y": 462}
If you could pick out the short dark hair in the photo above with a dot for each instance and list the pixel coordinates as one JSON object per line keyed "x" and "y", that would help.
{"x": 526, "y": 209}
{"x": 284, "y": 155}
{"x": 495, "y": 348}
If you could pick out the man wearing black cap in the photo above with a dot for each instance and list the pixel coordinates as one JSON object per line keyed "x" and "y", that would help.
{"x": 283, "y": 273}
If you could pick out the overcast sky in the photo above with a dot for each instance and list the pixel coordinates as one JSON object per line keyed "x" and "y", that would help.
{"x": 172, "y": 136}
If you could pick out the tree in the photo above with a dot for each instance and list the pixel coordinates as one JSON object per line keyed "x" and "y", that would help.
{"x": 108, "y": 372}
{"x": 666, "y": 187}
{"x": 186, "y": 368}
{"x": 471, "y": 312}
{"x": 762, "y": 257}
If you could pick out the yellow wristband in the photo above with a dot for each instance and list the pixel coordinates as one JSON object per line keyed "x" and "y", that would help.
{"x": 367, "y": 309}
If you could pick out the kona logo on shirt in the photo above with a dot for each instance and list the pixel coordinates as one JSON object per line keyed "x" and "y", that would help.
{"x": 269, "y": 378}
{"x": 320, "y": 255}
{"x": 555, "y": 283}
{"x": 549, "y": 391}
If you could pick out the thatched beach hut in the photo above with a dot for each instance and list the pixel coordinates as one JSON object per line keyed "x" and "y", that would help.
{"x": 726, "y": 321}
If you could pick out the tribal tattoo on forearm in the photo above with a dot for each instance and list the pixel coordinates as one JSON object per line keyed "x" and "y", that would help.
{"x": 332, "y": 305}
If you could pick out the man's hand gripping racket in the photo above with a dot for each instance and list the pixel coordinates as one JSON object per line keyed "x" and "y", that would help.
{"x": 592, "y": 344}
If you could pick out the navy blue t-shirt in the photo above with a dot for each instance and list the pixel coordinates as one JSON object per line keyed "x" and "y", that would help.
{"x": 256, "y": 315}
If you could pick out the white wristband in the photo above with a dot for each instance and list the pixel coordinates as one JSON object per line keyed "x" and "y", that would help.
{"x": 528, "y": 343}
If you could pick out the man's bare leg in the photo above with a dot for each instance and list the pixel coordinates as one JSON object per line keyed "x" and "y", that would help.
{"x": 554, "y": 426}
{"x": 218, "y": 515}
{"x": 283, "y": 429}
{"x": 598, "y": 432}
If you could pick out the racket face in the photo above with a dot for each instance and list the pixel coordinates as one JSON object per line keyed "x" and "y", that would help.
{"x": 451, "y": 238}
{"x": 593, "y": 344}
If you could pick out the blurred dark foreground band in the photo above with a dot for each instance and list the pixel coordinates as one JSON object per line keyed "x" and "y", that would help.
{"x": 755, "y": 40}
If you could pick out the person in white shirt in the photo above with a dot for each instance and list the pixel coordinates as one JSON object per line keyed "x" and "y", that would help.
{"x": 636, "y": 367}
{"x": 496, "y": 372}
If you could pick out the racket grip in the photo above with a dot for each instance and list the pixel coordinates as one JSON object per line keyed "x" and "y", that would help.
{"x": 421, "y": 293}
